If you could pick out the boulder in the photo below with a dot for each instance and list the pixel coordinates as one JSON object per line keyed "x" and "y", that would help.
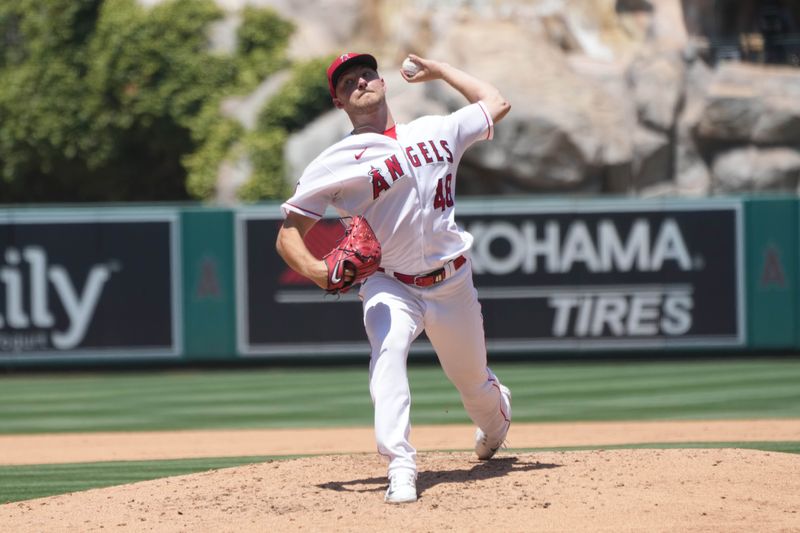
{"x": 752, "y": 169}
{"x": 691, "y": 172}
{"x": 561, "y": 126}
{"x": 752, "y": 104}
{"x": 656, "y": 81}
{"x": 652, "y": 158}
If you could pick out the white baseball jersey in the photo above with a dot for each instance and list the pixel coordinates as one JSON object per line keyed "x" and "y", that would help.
{"x": 403, "y": 182}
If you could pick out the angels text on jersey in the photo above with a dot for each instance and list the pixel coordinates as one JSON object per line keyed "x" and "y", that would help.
{"x": 420, "y": 154}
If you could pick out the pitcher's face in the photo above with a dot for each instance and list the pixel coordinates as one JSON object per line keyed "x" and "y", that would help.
{"x": 360, "y": 89}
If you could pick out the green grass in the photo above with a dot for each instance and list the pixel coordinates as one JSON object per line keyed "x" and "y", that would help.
{"x": 36, "y": 481}
{"x": 653, "y": 391}
{"x": 325, "y": 397}
{"x": 183, "y": 399}
{"x": 332, "y": 396}
{"x": 782, "y": 447}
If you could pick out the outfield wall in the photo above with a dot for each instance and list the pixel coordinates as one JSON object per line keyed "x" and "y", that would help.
{"x": 190, "y": 284}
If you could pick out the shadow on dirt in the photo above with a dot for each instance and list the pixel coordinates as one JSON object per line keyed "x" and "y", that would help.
{"x": 429, "y": 478}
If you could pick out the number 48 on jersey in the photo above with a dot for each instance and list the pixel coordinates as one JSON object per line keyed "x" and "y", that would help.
{"x": 444, "y": 193}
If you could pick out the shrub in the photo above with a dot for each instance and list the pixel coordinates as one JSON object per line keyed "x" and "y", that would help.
{"x": 112, "y": 101}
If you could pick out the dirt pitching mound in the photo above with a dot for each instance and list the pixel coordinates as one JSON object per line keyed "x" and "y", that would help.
{"x": 601, "y": 490}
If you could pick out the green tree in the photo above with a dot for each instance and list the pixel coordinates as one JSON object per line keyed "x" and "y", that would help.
{"x": 300, "y": 100}
{"x": 106, "y": 100}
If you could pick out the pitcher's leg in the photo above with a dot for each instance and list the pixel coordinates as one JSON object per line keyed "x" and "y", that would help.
{"x": 392, "y": 323}
{"x": 454, "y": 324}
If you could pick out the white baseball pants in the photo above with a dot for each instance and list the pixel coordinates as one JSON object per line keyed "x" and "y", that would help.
{"x": 449, "y": 312}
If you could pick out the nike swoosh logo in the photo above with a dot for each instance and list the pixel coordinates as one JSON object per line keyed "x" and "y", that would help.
{"x": 336, "y": 275}
{"x": 358, "y": 155}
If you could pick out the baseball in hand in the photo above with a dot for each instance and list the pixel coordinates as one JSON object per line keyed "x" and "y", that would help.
{"x": 409, "y": 67}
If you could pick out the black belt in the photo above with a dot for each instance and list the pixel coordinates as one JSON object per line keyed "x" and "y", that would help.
{"x": 431, "y": 278}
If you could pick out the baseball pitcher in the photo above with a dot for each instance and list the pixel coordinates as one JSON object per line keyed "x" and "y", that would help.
{"x": 398, "y": 183}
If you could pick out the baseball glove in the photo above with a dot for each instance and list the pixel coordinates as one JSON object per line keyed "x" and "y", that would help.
{"x": 358, "y": 250}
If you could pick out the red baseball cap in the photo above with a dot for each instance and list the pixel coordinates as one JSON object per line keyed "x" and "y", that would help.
{"x": 344, "y": 61}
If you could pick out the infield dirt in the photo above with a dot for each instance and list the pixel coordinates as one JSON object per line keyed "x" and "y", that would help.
{"x": 598, "y": 490}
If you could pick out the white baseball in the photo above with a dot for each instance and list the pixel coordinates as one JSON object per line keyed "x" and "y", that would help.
{"x": 409, "y": 67}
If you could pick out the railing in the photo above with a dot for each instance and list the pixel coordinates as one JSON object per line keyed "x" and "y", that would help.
{"x": 781, "y": 49}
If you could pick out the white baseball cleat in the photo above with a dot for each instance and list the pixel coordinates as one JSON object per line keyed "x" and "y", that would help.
{"x": 485, "y": 446}
{"x": 402, "y": 488}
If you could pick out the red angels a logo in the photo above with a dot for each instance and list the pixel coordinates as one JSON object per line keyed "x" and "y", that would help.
{"x": 379, "y": 183}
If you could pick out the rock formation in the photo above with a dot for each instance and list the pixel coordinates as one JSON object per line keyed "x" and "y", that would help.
{"x": 624, "y": 97}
